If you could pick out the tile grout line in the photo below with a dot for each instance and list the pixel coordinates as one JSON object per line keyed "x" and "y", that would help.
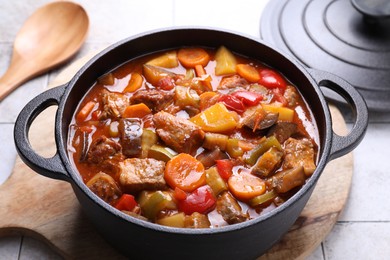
{"x": 362, "y": 221}
{"x": 20, "y": 247}
{"x": 323, "y": 250}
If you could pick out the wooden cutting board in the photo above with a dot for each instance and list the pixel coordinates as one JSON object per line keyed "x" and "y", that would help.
{"x": 47, "y": 209}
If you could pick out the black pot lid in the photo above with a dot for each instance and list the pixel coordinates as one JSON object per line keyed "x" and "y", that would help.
{"x": 350, "y": 38}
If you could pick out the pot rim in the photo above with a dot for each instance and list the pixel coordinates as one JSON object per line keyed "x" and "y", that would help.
{"x": 61, "y": 140}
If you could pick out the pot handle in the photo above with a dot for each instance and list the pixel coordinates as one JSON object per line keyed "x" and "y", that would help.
{"x": 342, "y": 145}
{"x": 49, "y": 167}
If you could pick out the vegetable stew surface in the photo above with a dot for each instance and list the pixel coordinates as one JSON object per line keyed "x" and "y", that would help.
{"x": 194, "y": 138}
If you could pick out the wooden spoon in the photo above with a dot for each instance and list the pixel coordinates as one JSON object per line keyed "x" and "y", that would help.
{"x": 49, "y": 37}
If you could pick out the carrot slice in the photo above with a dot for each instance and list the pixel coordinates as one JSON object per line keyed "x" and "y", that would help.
{"x": 185, "y": 172}
{"x": 200, "y": 72}
{"x": 85, "y": 111}
{"x": 245, "y": 186}
{"x": 135, "y": 83}
{"x": 248, "y": 72}
{"x": 138, "y": 110}
{"x": 190, "y": 57}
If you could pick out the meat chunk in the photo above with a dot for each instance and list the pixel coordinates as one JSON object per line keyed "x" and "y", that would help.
{"x": 180, "y": 134}
{"x": 155, "y": 99}
{"x": 104, "y": 186}
{"x": 141, "y": 174}
{"x": 268, "y": 162}
{"x": 299, "y": 153}
{"x": 291, "y": 96}
{"x": 114, "y": 104}
{"x": 282, "y": 131}
{"x": 103, "y": 148}
{"x": 232, "y": 82}
{"x": 130, "y": 136}
{"x": 230, "y": 210}
{"x": 105, "y": 152}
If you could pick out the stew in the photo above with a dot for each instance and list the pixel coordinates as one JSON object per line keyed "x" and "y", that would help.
{"x": 194, "y": 138}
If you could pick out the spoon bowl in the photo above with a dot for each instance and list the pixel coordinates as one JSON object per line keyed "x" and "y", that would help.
{"x": 49, "y": 37}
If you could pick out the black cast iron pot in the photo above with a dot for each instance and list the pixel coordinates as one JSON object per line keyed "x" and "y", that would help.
{"x": 139, "y": 239}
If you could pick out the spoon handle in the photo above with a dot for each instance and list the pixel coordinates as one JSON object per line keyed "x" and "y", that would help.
{"x": 17, "y": 73}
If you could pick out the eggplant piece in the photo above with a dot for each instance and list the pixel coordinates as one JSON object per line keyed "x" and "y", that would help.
{"x": 230, "y": 210}
{"x": 84, "y": 139}
{"x": 282, "y": 131}
{"x": 259, "y": 119}
{"x": 105, "y": 187}
{"x": 269, "y": 120}
{"x": 214, "y": 140}
{"x": 197, "y": 220}
{"x": 208, "y": 158}
{"x": 268, "y": 162}
{"x": 131, "y": 136}
{"x": 286, "y": 180}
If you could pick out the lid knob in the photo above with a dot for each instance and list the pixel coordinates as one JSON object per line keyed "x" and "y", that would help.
{"x": 373, "y": 10}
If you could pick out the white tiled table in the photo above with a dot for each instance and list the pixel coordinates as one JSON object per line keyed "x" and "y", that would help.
{"x": 363, "y": 229}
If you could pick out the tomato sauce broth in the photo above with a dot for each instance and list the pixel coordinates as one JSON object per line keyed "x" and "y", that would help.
{"x": 228, "y": 116}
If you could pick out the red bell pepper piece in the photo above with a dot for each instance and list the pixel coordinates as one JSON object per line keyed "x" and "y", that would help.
{"x": 225, "y": 168}
{"x": 126, "y": 202}
{"x": 272, "y": 79}
{"x": 232, "y": 103}
{"x": 200, "y": 200}
{"x": 179, "y": 194}
{"x": 247, "y": 97}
